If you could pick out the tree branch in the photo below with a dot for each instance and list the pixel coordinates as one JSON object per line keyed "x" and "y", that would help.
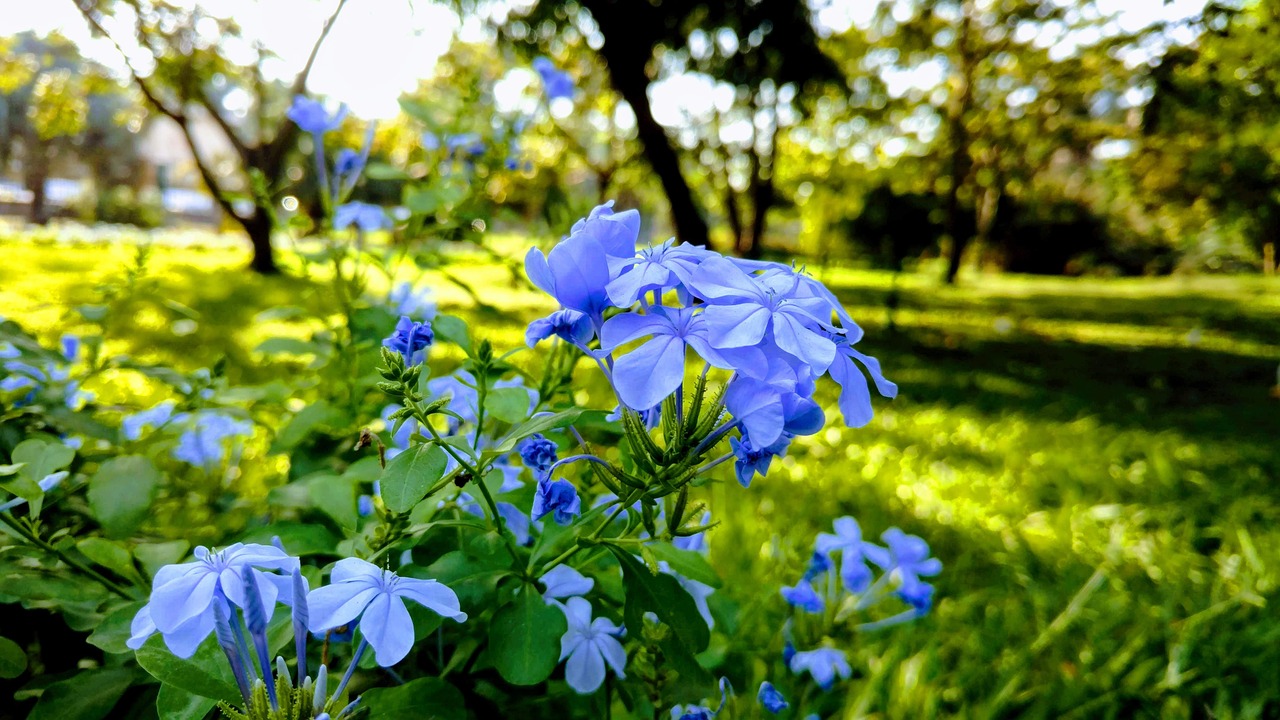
{"x": 273, "y": 152}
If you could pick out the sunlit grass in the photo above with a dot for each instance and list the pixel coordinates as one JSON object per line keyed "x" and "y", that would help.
{"x": 1094, "y": 461}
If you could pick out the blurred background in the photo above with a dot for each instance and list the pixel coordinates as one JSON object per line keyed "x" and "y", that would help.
{"x": 1056, "y": 219}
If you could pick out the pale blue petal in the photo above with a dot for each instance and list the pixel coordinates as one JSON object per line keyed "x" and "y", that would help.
{"x": 336, "y": 605}
{"x": 735, "y": 326}
{"x": 647, "y": 375}
{"x": 432, "y": 595}
{"x": 388, "y": 628}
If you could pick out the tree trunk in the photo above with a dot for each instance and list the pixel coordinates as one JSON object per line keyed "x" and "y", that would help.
{"x": 960, "y": 164}
{"x": 626, "y": 55}
{"x": 258, "y": 226}
{"x": 762, "y": 191}
{"x": 37, "y": 175}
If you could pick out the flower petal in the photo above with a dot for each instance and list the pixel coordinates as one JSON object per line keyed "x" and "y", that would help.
{"x": 336, "y": 605}
{"x": 433, "y": 595}
{"x": 645, "y": 376}
{"x": 388, "y": 628}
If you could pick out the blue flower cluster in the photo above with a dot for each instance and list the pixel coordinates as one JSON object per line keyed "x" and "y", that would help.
{"x": 23, "y": 378}
{"x": 233, "y": 593}
{"x": 556, "y": 83}
{"x": 311, "y": 117}
{"x": 205, "y": 435}
{"x": 852, "y": 586}
{"x": 774, "y": 329}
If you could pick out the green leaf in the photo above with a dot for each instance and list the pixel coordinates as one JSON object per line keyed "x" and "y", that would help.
{"x": 662, "y": 595}
{"x": 41, "y": 458}
{"x": 542, "y": 424}
{"x": 524, "y": 639}
{"x": 452, "y": 329}
{"x": 34, "y": 585}
{"x": 110, "y": 555}
{"x": 154, "y": 556}
{"x": 115, "y": 629}
{"x": 383, "y": 171}
{"x": 335, "y": 497}
{"x": 507, "y": 404}
{"x": 473, "y": 579}
{"x": 688, "y": 563}
{"x": 89, "y": 695}
{"x": 13, "y": 659}
{"x": 286, "y": 346}
{"x": 120, "y": 493}
{"x": 205, "y": 673}
{"x": 422, "y": 699}
{"x": 176, "y": 704}
{"x": 406, "y": 480}
{"x": 11, "y": 469}
{"x": 302, "y": 424}
{"x": 298, "y": 538}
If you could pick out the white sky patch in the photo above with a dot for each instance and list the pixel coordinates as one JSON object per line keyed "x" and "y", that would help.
{"x": 377, "y": 50}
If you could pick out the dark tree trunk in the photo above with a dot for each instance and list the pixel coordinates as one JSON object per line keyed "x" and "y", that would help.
{"x": 36, "y": 214}
{"x": 258, "y": 227}
{"x": 37, "y": 175}
{"x": 626, "y": 55}
{"x": 957, "y": 226}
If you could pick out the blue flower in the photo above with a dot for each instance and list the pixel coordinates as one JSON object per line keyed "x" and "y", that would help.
{"x": 409, "y": 339}
{"x": 70, "y": 347}
{"x": 819, "y": 564}
{"x": 513, "y": 517}
{"x": 559, "y": 497}
{"x": 461, "y": 388}
{"x": 182, "y": 596}
{"x": 659, "y": 268}
{"x": 854, "y": 553}
{"x": 771, "y": 699}
{"x": 417, "y": 304}
{"x": 744, "y": 309}
{"x": 204, "y": 442}
{"x": 908, "y": 559}
{"x": 555, "y": 82}
{"x": 804, "y": 597}
{"x": 648, "y": 374}
{"x": 154, "y": 417}
{"x": 8, "y": 351}
{"x": 576, "y": 271}
{"x": 468, "y": 143}
{"x": 572, "y": 326}
{"x": 589, "y": 645}
{"x": 855, "y": 394}
{"x": 364, "y": 216}
{"x": 750, "y": 460}
{"x": 348, "y": 162}
{"x": 563, "y": 581}
{"x": 538, "y": 454}
{"x": 360, "y": 589}
{"x": 364, "y": 505}
{"x": 823, "y": 664}
{"x": 310, "y": 116}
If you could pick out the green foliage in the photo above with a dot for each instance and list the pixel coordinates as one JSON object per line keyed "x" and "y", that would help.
{"x": 1094, "y": 476}
{"x": 524, "y": 638}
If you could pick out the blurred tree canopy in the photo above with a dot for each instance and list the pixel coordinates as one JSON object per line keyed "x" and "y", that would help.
{"x": 59, "y": 111}
{"x": 191, "y": 73}
{"x": 1211, "y": 132}
{"x": 762, "y": 45}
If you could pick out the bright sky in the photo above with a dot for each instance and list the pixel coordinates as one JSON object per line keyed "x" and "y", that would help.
{"x": 380, "y": 48}
{"x": 377, "y": 50}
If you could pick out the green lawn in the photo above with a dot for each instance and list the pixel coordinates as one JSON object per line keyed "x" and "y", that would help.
{"x": 1095, "y": 461}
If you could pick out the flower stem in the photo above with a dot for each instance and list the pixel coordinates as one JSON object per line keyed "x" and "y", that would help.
{"x": 351, "y": 669}
{"x": 33, "y": 538}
